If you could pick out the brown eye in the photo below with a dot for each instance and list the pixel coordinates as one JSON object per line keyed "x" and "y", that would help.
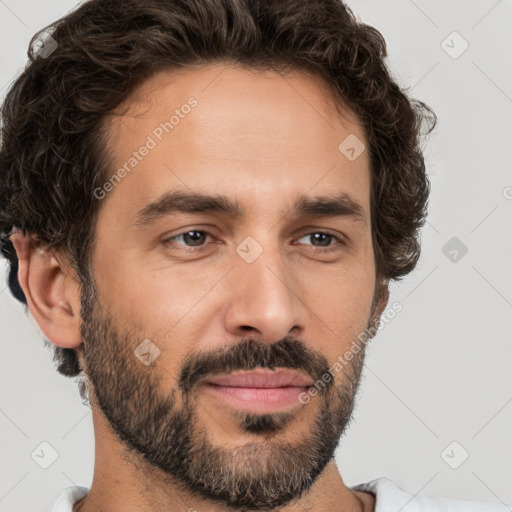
{"x": 323, "y": 239}
{"x": 191, "y": 238}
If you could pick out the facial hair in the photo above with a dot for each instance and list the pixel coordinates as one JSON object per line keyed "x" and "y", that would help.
{"x": 165, "y": 431}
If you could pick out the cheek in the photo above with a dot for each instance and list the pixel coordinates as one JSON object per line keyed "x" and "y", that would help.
{"x": 345, "y": 289}
{"x": 161, "y": 299}
{"x": 341, "y": 308}
{"x": 164, "y": 296}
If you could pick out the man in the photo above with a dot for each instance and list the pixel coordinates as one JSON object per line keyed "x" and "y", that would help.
{"x": 203, "y": 203}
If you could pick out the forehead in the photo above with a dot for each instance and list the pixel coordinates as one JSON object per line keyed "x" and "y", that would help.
{"x": 234, "y": 131}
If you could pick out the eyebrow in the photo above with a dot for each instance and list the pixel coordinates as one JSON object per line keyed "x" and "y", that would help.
{"x": 171, "y": 202}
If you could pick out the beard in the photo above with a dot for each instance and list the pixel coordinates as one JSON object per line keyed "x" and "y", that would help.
{"x": 164, "y": 431}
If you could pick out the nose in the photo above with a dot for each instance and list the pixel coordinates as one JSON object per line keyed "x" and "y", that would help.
{"x": 266, "y": 300}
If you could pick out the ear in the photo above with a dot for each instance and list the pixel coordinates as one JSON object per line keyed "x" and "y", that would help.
{"x": 51, "y": 289}
{"x": 381, "y": 299}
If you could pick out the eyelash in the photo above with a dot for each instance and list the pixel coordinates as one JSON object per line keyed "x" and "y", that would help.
{"x": 334, "y": 247}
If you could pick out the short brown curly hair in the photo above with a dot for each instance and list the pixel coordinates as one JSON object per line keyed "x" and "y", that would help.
{"x": 52, "y": 154}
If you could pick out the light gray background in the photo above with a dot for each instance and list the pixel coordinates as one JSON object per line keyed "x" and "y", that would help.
{"x": 440, "y": 371}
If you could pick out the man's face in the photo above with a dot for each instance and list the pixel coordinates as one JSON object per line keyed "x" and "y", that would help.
{"x": 184, "y": 297}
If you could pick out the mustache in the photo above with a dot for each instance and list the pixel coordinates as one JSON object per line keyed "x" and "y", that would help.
{"x": 249, "y": 354}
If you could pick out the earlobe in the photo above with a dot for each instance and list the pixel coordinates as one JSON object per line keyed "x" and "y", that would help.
{"x": 381, "y": 299}
{"x": 53, "y": 295}
{"x": 384, "y": 297}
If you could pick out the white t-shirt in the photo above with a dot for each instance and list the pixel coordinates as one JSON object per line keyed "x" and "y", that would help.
{"x": 388, "y": 498}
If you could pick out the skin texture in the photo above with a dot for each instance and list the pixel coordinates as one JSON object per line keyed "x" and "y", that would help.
{"x": 263, "y": 140}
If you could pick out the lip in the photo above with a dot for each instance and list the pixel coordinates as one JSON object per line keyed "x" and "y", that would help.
{"x": 262, "y": 391}
{"x": 262, "y": 378}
